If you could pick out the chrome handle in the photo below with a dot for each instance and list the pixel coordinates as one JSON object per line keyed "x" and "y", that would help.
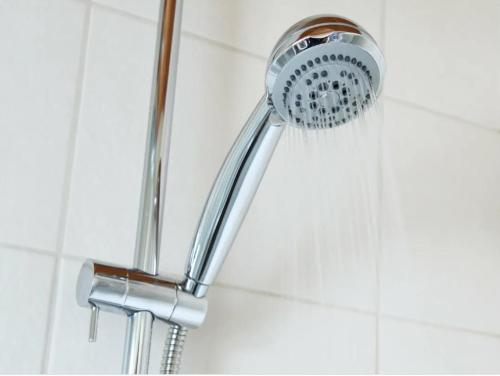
{"x": 94, "y": 318}
{"x": 231, "y": 195}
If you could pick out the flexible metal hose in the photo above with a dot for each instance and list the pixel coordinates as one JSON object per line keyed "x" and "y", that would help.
{"x": 172, "y": 352}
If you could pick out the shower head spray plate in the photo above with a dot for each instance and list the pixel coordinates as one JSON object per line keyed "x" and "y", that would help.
{"x": 324, "y": 71}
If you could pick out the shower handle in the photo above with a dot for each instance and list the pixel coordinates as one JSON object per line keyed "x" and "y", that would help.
{"x": 231, "y": 196}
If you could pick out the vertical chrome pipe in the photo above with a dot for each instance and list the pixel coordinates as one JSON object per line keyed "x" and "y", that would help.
{"x": 160, "y": 120}
{"x": 147, "y": 248}
{"x": 138, "y": 343}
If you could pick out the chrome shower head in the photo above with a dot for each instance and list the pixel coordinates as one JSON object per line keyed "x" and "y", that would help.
{"x": 323, "y": 72}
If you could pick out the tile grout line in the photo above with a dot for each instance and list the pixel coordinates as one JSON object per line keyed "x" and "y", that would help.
{"x": 224, "y": 46}
{"x": 383, "y": 19}
{"x": 442, "y": 327}
{"x": 39, "y": 251}
{"x": 383, "y": 16}
{"x": 184, "y": 32}
{"x": 430, "y": 111}
{"x": 21, "y": 248}
{"x": 428, "y": 324}
{"x": 124, "y": 13}
{"x": 71, "y": 145}
{"x": 290, "y": 298}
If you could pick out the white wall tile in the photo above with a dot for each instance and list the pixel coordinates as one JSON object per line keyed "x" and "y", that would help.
{"x": 256, "y": 26}
{"x": 38, "y": 75}
{"x": 143, "y": 8}
{"x": 415, "y": 349}
{"x": 239, "y": 323}
{"x": 443, "y": 57}
{"x": 235, "y": 19}
{"x": 260, "y": 334}
{"x": 25, "y": 278}
{"x": 70, "y": 351}
{"x": 444, "y": 267}
{"x": 109, "y": 154}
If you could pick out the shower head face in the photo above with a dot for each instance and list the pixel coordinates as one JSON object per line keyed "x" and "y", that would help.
{"x": 323, "y": 72}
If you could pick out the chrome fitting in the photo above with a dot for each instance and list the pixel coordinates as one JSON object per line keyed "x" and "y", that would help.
{"x": 116, "y": 289}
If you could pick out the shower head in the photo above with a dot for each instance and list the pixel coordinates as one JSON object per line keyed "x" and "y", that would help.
{"x": 323, "y": 72}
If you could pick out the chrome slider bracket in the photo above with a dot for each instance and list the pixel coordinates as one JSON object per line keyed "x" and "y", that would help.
{"x": 120, "y": 290}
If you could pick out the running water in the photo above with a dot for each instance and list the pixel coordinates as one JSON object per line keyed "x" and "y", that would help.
{"x": 325, "y": 188}
{"x": 314, "y": 226}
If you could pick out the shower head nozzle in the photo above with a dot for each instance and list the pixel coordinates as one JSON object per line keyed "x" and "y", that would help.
{"x": 324, "y": 71}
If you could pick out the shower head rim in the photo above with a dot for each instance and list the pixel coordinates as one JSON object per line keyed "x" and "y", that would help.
{"x": 315, "y": 31}
{"x": 302, "y": 29}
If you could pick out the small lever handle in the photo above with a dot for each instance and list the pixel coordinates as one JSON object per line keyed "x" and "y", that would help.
{"x": 94, "y": 317}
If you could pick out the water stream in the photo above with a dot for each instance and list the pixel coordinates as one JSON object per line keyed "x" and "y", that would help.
{"x": 327, "y": 183}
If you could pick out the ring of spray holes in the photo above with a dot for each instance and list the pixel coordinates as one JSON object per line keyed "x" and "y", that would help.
{"x": 354, "y": 92}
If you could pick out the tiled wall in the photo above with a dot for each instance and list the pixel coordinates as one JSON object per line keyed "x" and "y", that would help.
{"x": 74, "y": 91}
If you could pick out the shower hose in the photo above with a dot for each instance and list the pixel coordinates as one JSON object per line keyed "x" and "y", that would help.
{"x": 172, "y": 352}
